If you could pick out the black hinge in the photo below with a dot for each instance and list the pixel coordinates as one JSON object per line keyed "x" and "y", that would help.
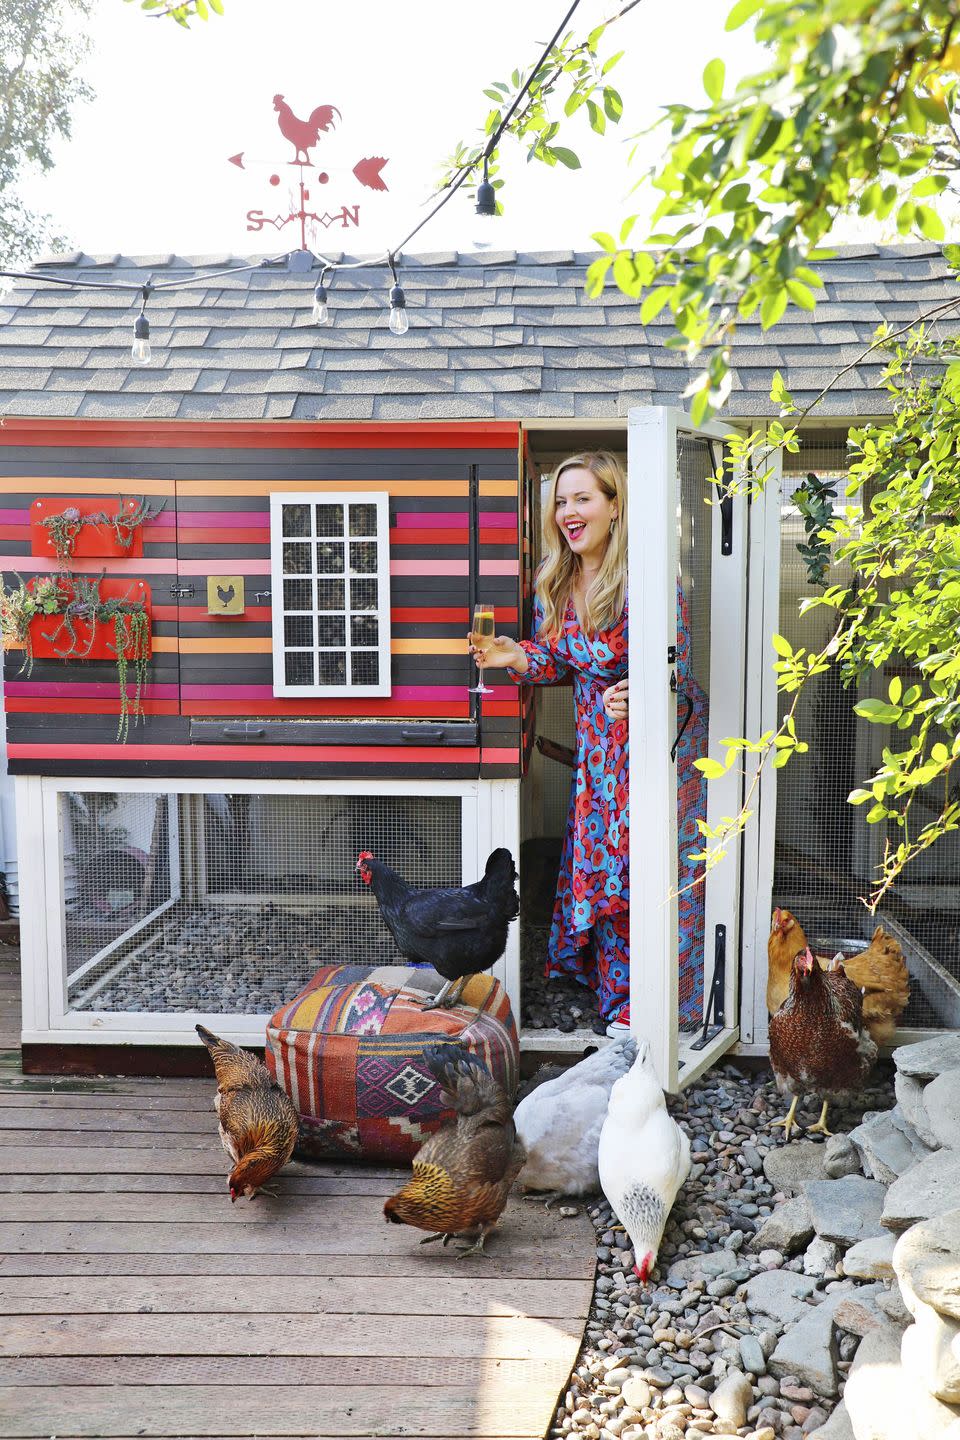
{"x": 726, "y": 525}
{"x": 714, "y": 1017}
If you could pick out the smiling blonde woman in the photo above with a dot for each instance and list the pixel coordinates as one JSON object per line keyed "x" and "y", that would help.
{"x": 580, "y": 629}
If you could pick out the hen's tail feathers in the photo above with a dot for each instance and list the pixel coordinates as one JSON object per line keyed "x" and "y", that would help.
{"x": 467, "y": 1085}
{"x": 500, "y": 881}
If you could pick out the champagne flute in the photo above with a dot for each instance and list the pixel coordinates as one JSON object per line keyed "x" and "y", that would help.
{"x": 481, "y": 635}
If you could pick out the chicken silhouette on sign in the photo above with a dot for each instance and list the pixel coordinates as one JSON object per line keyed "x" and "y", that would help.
{"x": 314, "y": 133}
{"x": 225, "y": 595}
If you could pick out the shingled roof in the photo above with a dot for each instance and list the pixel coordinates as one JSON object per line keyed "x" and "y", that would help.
{"x": 492, "y": 335}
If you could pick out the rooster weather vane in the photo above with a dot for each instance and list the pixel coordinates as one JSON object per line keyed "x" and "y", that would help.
{"x": 304, "y": 136}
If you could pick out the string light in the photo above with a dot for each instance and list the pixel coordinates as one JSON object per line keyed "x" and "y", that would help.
{"x": 140, "y": 351}
{"x": 399, "y": 319}
{"x": 486, "y": 195}
{"x": 321, "y": 310}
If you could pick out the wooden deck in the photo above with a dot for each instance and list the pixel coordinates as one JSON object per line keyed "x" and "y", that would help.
{"x": 136, "y": 1301}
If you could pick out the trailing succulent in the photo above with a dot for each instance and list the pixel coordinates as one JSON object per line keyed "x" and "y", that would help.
{"x": 64, "y": 527}
{"x": 76, "y": 608}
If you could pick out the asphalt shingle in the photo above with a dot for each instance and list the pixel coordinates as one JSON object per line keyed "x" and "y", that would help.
{"x": 492, "y": 335}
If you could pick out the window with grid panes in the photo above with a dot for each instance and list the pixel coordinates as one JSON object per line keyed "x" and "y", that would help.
{"x": 330, "y": 561}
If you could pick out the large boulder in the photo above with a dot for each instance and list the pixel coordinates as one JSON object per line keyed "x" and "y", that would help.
{"x": 909, "y": 1093}
{"x": 791, "y": 1167}
{"x": 871, "y": 1259}
{"x": 929, "y": 1058}
{"x": 927, "y": 1262}
{"x": 929, "y": 1188}
{"x": 781, "y": 1294}
{"x": 887, "y": 1402}
{"x": 931, "y": 1352}
{"x": 941, "y": 1102}
{"x": 788, "y": 1229}
{"x": 884, "y": 1146}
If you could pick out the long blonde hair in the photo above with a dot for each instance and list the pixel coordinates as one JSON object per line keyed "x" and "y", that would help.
{"x": 607, "y": 594}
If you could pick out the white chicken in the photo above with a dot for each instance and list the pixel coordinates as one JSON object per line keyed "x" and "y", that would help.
{"x": 644, "y": 1159}
{"x": 560, "y": 1122}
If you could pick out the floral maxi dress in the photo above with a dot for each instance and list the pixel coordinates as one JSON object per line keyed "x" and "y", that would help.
{"x": 589, "y": 933}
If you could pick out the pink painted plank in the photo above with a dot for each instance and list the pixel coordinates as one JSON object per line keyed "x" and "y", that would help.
{"x": 498, "y": 519}
{"x": 14, "y": 517}
{"x": 85, "y": 690}
{"x": 265, "y": 692}
{"x": 431, "y": 567}
{"x": 40, "y": 565}
{"x": 236, "y": 519}
{"x": 498, "y": 567}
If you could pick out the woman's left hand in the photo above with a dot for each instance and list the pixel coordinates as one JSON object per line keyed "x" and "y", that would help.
{"x": 616, "y": 700}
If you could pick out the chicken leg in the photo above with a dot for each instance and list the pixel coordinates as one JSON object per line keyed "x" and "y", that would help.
{"x": 448, "y": 995}
{"x": 445, "y": 1236}
{"x": 821, "y": 1126}
{"x": 477, "y": 1247}
{"x": 789, "y": 1120}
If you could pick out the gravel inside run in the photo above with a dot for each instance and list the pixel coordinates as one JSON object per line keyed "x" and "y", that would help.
{"x": 653, "y": 1355}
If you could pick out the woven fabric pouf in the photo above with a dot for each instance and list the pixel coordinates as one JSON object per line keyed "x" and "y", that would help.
{"x": 348, "y": 1050}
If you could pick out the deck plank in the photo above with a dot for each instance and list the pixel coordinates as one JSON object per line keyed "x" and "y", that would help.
{"x": 137, "y": 1301}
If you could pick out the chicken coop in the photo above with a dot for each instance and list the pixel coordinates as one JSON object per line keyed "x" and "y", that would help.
{"x": 259, "y": 557}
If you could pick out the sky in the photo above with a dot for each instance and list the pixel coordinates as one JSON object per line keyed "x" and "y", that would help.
{"x": 147, "y": 169}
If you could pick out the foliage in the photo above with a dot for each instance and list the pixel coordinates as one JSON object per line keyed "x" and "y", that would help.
{"x": 182, "y": 14}
{"x": 76, "y": 609}
{"x": 856, "y": 113}
{"x": 65, "y": 526}
{"x": 39, "y": 88}
{"x": 815, "y": 500}
{"x": 573, "y": 72}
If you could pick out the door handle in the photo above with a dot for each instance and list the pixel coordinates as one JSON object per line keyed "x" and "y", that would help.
{"x": 244, "y": 732}
{"x": 683, "y": 723}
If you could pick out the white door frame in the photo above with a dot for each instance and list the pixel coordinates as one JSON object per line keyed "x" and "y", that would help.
{"x": 653, "y": 561}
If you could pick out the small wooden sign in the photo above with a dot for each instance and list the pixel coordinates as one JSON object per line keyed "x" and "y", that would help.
{"x": 225, "y": 595}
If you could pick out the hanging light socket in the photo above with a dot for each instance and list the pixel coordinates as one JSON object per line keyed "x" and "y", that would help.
{"x": 399, "y": 320}
{"x": 486, "y": 195}
{"x": 321, "y": 310}
{"x": 140, "y": 350}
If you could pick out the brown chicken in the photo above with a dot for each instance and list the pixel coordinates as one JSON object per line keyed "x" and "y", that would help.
{"x": 462, "y": 1174}
{"x": 880, "y": 971}
{"x": 258, "y": 1122}
{"x": 818, "y": 1041}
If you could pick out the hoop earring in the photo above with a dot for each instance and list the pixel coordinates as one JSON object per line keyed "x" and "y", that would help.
{"x": 613, "y": 524}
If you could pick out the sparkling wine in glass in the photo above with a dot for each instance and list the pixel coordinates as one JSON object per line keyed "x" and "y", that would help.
{"x": 481, "y": 635}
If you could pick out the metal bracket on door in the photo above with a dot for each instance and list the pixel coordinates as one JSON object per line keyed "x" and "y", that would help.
{"x": 181, "y": 592}
{"x": 715, "y": 1009}
{"x": 726, "y": 503}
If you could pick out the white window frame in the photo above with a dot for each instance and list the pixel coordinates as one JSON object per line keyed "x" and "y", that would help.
{"x": 381, "y": 500}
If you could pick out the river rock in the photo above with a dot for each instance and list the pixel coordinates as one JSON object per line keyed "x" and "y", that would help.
{"x": 927, "y": 1263}
{"x": 732, "y": 1398}
{"x": 888, "y": 1402}
{"x": 846, "y": 1210}
{"x": 838, "y": 1427}
{"x": 791, "y": 1167}
{"x": 891, "y": 1303}
{"x": 821, "y": 1256}
{"x": 703, "y": 1267}
{"x": 931, "y": 1351}
{"x": 808, "y": 1351}
{"x": 840, "y": 1157}
{"x": 859, "y": 1313}
{"x": 941, "y": 1102}
{"x": 752, "y": 1357}
{"x": 928, "y": 1058}
{"x": 781, "y": 1294}
{"x": 788, "y": 1229}
{"x": 885, "y": 1150}
{"x": 870, "y": 1259}
{"x": 928, "y": 1189}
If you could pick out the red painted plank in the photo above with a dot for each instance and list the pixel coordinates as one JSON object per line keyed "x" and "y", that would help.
{"x": 265, "y": 435}
{"x": 276, "y": 754}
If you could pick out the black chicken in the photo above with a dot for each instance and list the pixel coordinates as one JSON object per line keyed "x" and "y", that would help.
{"x": 226, "y": 595}
{"x": 458, "y": 932}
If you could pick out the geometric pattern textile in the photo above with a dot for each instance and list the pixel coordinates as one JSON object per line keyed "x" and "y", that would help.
{"x": 348, "y": 1050}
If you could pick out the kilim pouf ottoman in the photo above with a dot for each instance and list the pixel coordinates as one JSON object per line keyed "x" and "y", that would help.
{"x": 348, "y": 1050}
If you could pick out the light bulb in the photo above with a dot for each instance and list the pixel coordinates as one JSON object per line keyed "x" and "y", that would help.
{"x": 486, "y": 196}
{"x": 140, "y": 350}
{"x": 399, "y": 320}
{"x": 321, "y": 310}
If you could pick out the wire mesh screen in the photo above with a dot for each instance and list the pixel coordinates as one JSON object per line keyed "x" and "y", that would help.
{"x": 228, "y": 903}
{"x": 696, "y": 464}
{"x": 826, "y": 854}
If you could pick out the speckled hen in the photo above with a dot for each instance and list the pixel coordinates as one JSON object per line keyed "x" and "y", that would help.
{"x": 258, "y": 1121}
{"x": 818, "y": 1041}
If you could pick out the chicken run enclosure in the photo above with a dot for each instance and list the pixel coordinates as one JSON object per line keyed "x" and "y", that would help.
{"x": 307, "y": 586}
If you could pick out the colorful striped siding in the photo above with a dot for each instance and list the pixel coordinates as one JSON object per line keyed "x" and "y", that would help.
{"x": 454, "y": 494}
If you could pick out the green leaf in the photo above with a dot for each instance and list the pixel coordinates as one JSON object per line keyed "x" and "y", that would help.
{"x": 931, "y": 225}
{"x": 801, "y": 294}
{"x": 566, "y": 157}
{"x": 878, "y": 712}
{"x": 929, "y": 185}
{"x": 713, "y": 77}
{"x": 612, "y": 103}
{"x": 654, "y": 303}
{"x": 741, "y": 13}
{"x": 895, "y": 690}
{"x": 772, "y": 308}
{"x": 782, "y": 646}
{"x": 710, "y": 769}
